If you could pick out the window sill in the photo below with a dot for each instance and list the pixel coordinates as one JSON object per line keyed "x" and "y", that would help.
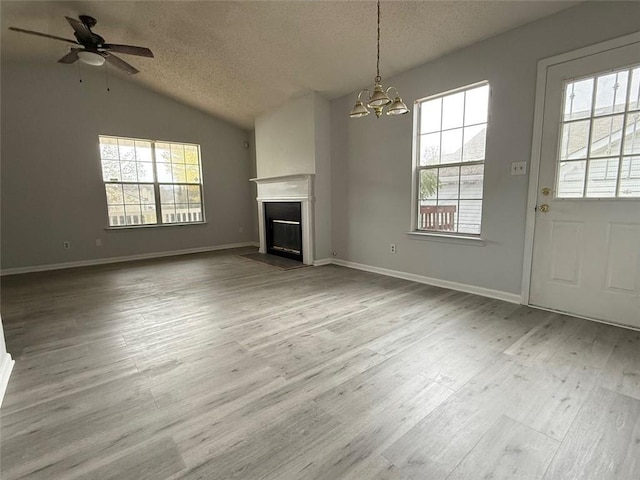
{"x": 160, "y": 225}
{"x": 448, "y": 238}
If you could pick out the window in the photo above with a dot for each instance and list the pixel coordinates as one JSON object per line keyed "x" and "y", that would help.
{"x": 151, "y": 183}
{"x": 451, "y": 132}
{"x": 599, "y": 154}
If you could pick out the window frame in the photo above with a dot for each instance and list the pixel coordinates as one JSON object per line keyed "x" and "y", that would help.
{"x": 453, "y": 236}
{"x": 155, "y": 183}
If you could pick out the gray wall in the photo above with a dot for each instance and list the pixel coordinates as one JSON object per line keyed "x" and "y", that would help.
{"x": 371, "y": 158}
{"x": 52, "y": 187}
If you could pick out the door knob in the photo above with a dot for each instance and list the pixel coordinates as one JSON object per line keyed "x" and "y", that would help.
{"x": 546, "y": 191}
{"x": 544, "y": 208}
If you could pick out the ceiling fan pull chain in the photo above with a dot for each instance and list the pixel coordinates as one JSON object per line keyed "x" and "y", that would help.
{"x": 106, "y": 76}
{"x": 79, "y": 72}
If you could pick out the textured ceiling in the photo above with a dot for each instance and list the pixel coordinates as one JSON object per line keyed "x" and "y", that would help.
{"x": 236, "y": 60}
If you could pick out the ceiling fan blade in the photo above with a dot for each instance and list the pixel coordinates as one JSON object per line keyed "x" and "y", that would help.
{"x": 119, "y": 63}
{"x": 128, "y": 49}
{"x": 83, "y": 34}
{"x": 70, "y": 57}
{"x": 45, "y": 35}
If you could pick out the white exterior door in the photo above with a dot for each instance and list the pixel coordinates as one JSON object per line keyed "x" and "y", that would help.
{"x": 586, "y": 247}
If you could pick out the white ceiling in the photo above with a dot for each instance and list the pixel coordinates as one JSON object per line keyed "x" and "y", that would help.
{"x": 237, "y": 59}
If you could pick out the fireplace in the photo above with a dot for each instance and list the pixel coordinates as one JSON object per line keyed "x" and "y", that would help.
{"x": 283, "y": 222}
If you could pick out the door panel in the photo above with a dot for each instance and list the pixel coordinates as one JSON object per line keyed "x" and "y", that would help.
{"x": 586, "y": 249}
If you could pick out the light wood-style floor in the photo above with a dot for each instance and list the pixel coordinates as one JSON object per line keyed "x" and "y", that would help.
{"x": 215, "y": 366}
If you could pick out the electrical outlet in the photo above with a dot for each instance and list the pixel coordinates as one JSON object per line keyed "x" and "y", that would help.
{"x": 241, "y": 230}
{"x": 66, "y": 244}
{"x": 518, "y": 168}
{"x": 98, "y": 242}
{"x": 392, "y": 248}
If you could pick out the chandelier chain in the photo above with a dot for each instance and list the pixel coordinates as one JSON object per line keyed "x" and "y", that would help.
{"x": 378, "y": 58}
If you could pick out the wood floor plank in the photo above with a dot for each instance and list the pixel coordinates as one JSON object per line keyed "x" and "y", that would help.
{"x": 508, "y": 450}
{"x": 604, "y": 441}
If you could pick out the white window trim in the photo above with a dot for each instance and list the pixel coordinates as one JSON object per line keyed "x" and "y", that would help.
{"x": 156, "y": 187}
{"x": 414, "y": 232}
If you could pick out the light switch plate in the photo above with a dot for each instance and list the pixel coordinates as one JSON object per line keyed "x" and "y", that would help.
{"x": 518, "y": 168}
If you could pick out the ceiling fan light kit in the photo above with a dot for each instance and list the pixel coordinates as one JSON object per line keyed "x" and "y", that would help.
{"x": 90, "y": 48}
{"x": 379, "y": 99}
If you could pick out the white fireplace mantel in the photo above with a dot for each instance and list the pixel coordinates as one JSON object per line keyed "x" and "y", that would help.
{"x": 288, "y": 188}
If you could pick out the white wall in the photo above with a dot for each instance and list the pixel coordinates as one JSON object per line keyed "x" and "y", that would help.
{"x": 6, "y": 364}
{"x": 52, "y": 187}
{"x": 371, "y": 158}
{"x": 285, "y": 139}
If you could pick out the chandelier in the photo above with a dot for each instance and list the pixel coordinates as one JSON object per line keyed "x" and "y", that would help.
{"x": 379, "y": 98}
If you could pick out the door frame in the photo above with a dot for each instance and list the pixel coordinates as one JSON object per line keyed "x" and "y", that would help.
{"x": 536, "y": 145}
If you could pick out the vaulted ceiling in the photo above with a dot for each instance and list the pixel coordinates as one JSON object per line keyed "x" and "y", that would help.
{"x": 237, "y": 59}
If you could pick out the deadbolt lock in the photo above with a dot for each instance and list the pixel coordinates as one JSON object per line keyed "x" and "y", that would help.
{"x": 546, "y": 191}
{"x": 544, "y": 208}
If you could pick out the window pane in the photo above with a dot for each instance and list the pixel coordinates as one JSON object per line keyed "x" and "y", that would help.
{"x": 630, "y": 177}
{"x": 474, "y": 143}
{"x": 129, "y": 171}
{"x": 179, "y": 173}
{"x": 451, "y": 146}
{"x": 108, "y": 148}
{"x": 163, "y": 170}
{"x": 571, "y": 179}
{"x": 632, "y": 134}
{"x": 143, "y": 151}
{"x": 430, "y": 116}
{"x": 577, "y": 99}
{"x": 116, "y": 216}
{"x": 177, "y": 153}
{"x": 476, "y": 105}
{"x": 634, "y": 95}
{"x": 196, "y": 213}
{"x": 166, "y": 194}
{"x": 126, "y": 149}
{"x": 574, "y": 140}
{"x": 430, "y": 149}
{"x": 428, "y": 185}
{"x": 149, "y": 214}
{"x": 611, "y": 91}
{"x": 147, "y": 195}
{"x": 133, "y": 214}
{"x": 606, "y": 136}
{"x": 602, "y": 178}
{"x": 470, "y": 216}
{"x": 191, "y": 156}
{"x": 446, "y": 216}
{"x": 448, "y": 184}
{"x": 168, "y": 213}
{"x": 111, "y": 171}
{"x": 163, "y": 152}
{"x": 180, "y": 194}
{"x": 145, "y": 172}
{"x": 193, "y": 174}
{"x": 182, "y": 210}
{"x": 194, "y": 195}
{"x": 131, "y": 194}
{"x": 114, "y": 194}
{"x": 471, "y": 179}
{"x": 452, "y": 110}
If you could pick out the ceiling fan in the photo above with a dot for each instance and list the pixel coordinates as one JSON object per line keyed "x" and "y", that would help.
{"x": 92, "y": 48}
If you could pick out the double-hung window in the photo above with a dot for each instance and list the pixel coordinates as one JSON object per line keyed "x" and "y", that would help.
{"x": 150, "y": 182}
{"x": 451, "y": 132}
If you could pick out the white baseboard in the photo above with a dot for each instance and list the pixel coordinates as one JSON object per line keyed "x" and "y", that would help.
{"x": 6, "y": 365}
{"x": 462, "y": 287}
{"x": 128, "y": 258}
{"x": 323, "y": 261}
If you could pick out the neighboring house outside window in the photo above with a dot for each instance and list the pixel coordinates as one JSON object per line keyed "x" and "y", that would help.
{"x": 451, "y": 131}
{"x": 151, "y": 182}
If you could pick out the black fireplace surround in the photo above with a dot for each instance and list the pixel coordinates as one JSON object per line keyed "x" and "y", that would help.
{"x": 283, "y": 229}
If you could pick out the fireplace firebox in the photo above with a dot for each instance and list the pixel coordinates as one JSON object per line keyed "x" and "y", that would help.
{"x": 283, "y": 221}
